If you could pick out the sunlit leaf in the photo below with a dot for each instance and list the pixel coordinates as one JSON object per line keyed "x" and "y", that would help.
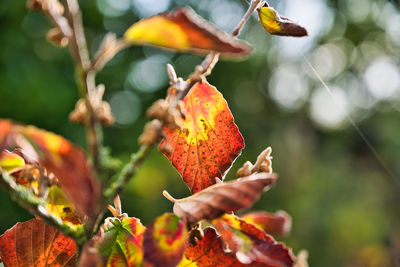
{"x": 33, "y": 243}
{"x": 278, "y": 25}
{"x": 209, "y": 251}
{"x": 209, "y": 141}
{"x": 278, "y": 223}
{"x": 59, "y": 206}
{"x": 251, "y": 244}
{"x": 222, "y": 198}
{"x": 36, "y": 179}
{"x": 10, "y": 161}
{"x": 165, "y": 240}
{"x": 184, "y": 30}
{"x": 121, "y": 242}
{"x": 58, "y": 156}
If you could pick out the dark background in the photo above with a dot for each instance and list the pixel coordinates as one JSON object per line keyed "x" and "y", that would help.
{"x": 345, "y": 206}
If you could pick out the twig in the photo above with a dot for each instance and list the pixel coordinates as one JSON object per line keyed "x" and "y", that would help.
{"x": 36, "y": 205}
{"x": 85, "y": 79}
{"x": 127, "y": 173}
{"x": 208, "y": 64}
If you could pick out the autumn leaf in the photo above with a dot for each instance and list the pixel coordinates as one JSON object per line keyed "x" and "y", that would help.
{"x": 278, "y": 223}
{"x": 36, "y": 180}
{"x": 165, "y": 240}
{"x": 222, "y": 198}
{"x": 209, "y": 251}
{"x": 10, "y": 161}
{"x": 59, "y": 206}
{"x": 251, "y": 244}
{"x": 58, "y": 156}
{"x": 33, "y": 243}
{"x": 120, "y": 242}
{"x": 209, "y": 141}
{"x": 184, "y": 30}
{"x": 278, "y": 25}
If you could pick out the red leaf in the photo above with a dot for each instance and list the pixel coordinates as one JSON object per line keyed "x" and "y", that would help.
{"x": 222, "y": 198}
{"x": 250, "y": 244}
{"x": 57, "y": 155}
{"x": 165, "y": 240}
{"x": 209, "y": 252}
{"x": 278, "y": 223}
{"x": 33, "y": 243}
{"x": 184, "y": 30}
{"x": 208, "y": 142}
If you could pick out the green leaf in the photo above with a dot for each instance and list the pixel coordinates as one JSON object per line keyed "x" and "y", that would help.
{"x": 121, "y": 242}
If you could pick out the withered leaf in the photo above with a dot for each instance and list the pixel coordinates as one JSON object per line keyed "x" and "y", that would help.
{"x": 221, "y": 198}
{"x": 275, "y": 24}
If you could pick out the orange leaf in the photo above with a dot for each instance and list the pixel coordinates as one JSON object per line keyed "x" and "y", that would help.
{"x": 184, "y": 30}
{"x": 209, "y": 141}
{"x": 222, "y": 198}
{"x": 275, "y": 24}
{"x": 59, "y": 156}
{"x": 278, "y": 223}
{"x": 165, "y": 240}
{"x": 251, "y": 244}
{"x": 208, "y": 252}
{"x": 33, "y": 243}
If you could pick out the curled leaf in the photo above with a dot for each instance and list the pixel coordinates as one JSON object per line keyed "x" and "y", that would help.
{"x": 208, "y": 142}
{"x": 223, "y": 197}
{"x": 275, "y": 24}
{"x": 165, "y": 240}
{"x": 251, "y": 244}
{"x": 184, "y": 30}
{"x": 278, "y": 223}
{"x": 33, "y": 243}
{"x": 120, "y": 243}
{"x": 58, "y": 156}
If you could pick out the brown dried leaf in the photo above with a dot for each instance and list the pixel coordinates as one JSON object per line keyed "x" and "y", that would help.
{"x": 221, "y": 198}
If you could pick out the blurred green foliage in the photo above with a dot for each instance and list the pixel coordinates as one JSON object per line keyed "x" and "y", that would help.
{"x": 345, "y": 206}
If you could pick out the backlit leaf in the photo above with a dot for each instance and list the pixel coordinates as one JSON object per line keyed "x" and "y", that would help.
{"x": 121, "y": 242}
{"x": 36, "y": 180}
{"x": 224, "y": 197}
{"x": 10, "y": 161}
{"x": 59, "y": 206}
{"x": 251, "y": 244}
{"x": 57, "y": 155}
{"x": 33, "y": 243}
{"x": 278, "y": 25}
{"x": 278, "y": 223}
{"x": 165, "y": 240}
{"x": 184, "y": 30}
{"x": 209, "y": 141}
{"x": 209, "y": 251}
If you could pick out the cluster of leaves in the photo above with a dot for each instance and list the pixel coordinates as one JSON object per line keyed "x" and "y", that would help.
{"x": 55, "y": 181}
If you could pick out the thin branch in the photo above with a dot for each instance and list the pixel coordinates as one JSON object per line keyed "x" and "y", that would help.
{"x": 127, "y": 173}
{"x": 85, "y": 79}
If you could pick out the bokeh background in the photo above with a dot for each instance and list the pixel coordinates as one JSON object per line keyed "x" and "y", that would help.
{"x": 345, "y": 206}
